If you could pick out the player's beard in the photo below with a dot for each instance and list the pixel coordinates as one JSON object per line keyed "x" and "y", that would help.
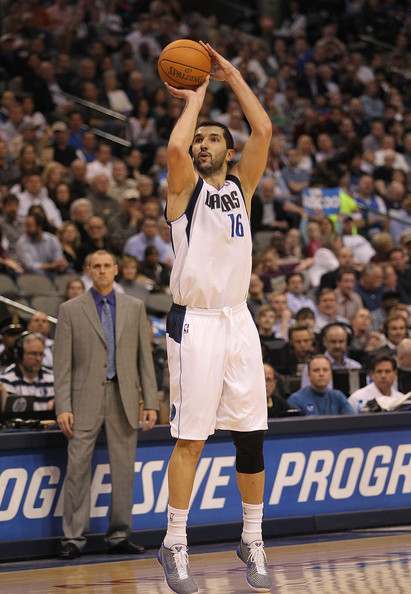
{"x": 210, "y": 167}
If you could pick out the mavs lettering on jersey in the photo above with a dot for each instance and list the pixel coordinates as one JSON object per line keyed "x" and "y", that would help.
{"x": 212, "y": 247}
{"x": 226, "y": 202}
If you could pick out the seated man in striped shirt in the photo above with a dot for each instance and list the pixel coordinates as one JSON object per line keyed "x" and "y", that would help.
{"x": 28, "y": 377}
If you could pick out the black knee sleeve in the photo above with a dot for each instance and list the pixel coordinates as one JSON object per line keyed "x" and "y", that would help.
{"x": 249, "y": 445}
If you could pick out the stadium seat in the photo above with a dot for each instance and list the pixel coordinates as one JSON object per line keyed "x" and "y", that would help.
{"x": 159, "y": 303}
{"x": 61, "y": 281}
{"x": 30, "y": 284}
{"x": 7, "y": 285}
{"x": 47, "y": 303}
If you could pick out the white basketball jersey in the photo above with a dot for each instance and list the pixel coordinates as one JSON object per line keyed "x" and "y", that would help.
{"x": 212, "y": 247}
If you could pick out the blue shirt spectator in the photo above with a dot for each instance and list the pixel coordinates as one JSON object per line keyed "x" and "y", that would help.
{"x": 296, "y": 298}
{"x": 402, "y": 220}
{"x": 38, "y": 251}
{"x": 370, "y": 287}
{"x": 136, "y": 245}
{"x": 330, "y": 402}
{"x": 317, "y": 398}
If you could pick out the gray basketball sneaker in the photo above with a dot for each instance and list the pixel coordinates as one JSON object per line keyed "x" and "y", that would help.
{"x": 253, "y": 555}
{"x": 174, "y": 561}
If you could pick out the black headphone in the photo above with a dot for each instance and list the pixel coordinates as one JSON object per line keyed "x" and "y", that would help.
{"x": 19, "y": 346}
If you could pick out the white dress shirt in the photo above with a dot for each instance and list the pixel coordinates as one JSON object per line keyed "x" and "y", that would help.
{"x": 359, "y": 398}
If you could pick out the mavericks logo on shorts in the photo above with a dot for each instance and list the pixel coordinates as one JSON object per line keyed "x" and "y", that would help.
{"x": 186, "y": 328}
{"x": 172, "y": 412}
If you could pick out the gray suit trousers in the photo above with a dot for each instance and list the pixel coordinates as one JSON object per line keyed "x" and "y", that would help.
{"x": 121, "y": 443}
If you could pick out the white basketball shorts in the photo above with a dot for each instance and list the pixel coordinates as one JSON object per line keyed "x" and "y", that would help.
{"x": 216, "y": 372}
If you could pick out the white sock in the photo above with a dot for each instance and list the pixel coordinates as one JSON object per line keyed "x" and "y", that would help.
{"x": 176, "y": 527}
{"x": 252, "y": 520}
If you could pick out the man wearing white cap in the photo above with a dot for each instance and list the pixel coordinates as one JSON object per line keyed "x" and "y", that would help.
{"x": 60, "y": 150}
{"x": 126, "y": 222}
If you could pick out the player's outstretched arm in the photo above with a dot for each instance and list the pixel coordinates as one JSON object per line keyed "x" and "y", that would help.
{"x": 254, "y": 154}
{"x": 181, "y": 176}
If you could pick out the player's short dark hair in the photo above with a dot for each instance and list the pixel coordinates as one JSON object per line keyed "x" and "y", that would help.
{"x": 226, "y": 132}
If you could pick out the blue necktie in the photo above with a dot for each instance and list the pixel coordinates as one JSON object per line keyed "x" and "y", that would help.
{"x": 107, "y": 323}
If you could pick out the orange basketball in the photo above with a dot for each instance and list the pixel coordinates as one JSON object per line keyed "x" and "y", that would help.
{"x": 184, "y": 64}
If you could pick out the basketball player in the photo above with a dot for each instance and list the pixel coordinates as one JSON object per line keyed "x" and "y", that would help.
{"x": 216, "y": 370}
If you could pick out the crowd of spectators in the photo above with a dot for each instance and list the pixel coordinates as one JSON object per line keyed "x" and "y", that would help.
{"x": 84, "y": 124}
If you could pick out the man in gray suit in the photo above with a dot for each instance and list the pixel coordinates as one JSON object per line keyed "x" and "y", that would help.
{"x": 102, "y": 356}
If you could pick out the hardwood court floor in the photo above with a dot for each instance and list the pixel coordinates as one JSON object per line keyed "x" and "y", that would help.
{"x": 356, "y": 563}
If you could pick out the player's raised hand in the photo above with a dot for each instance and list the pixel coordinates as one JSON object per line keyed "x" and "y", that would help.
{"x": 220, "y": 67}
{"x": 187, "y": 93}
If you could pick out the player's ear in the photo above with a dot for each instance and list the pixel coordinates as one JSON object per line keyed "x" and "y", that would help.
{"x": 230, "y": 154}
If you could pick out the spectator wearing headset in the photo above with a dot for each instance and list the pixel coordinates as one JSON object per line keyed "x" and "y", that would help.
{"x": 10, "y": 330}
{"x": 27, "y": 376}
{"x": 334, "y": 339}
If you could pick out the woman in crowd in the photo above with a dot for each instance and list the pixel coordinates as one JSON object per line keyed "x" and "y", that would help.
{"x": 74, "y": 288}
{"x": 314, "y": 238}
{"x": 69, "y": 237}
{"x": 129, "y": 279}
{"x": 284, "y": 316}
{"x": 52, "y": 175}
{"x": 134, "y": 162}
{"x": 63, "y": 200}
{"x": 142, "y": 130}
{"x": 117, "y": 98}
{"x": 325, "y": 258}
{"x": 28, "y": 160}
{"x": 157, "y": 274}
{"x": 306, "y": 149}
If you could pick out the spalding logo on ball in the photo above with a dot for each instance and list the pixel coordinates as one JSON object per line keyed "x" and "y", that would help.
{"x": 184, "y": 64}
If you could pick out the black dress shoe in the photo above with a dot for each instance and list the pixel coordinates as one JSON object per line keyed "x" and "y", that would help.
{"x": 125, "y": 547}
{"x": 70, "y": 551}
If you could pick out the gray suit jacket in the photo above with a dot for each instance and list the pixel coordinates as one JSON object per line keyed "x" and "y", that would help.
{"x": 80, "y": 359}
